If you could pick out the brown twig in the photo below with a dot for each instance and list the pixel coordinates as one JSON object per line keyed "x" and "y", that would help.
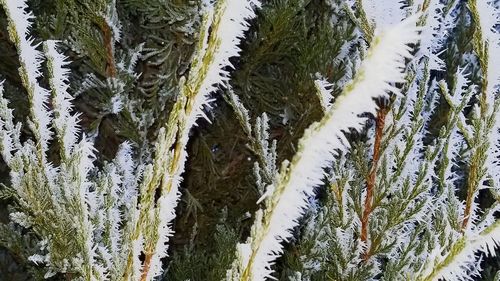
{"x": 370, "y": 181}
{"x": 147, "y": 265}
{"x": 472, "y": 183}
{"x": 468, "y": 205}
{"x": 107, "y": 34}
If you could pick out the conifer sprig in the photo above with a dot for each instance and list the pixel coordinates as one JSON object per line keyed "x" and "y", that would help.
{"x": 222, "y": 28}
{"x": 298, "y": 178}
{"x": 47, "y": 194}
{"x": 415, "y": 223}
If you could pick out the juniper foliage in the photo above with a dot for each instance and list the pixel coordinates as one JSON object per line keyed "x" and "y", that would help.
{"x": 302, "y": 140}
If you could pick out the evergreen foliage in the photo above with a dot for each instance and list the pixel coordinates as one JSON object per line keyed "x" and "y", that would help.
{"x": 301, "y": 139}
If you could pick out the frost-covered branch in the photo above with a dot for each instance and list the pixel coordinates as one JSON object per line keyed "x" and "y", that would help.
{"x": 316, "y": 150}
{"x": 265, "y": 168}
{"x": 57, "y": 194}
{"x": 222, "y": 28}
{"x": 456, "y": 265}
{"x": 486, "y": 46}
{"x": 65, "y": 123}
{"x": 31, "y": 59}
{"x": 80, "y": 220}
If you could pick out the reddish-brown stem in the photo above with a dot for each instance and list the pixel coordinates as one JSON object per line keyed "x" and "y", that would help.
{"x": 107, "y": 34}
{"x": 472, "y": 182}
{"x": 468, "y": 205}
{"x": 370, "y": 181}
{"x": 147, "y": 265}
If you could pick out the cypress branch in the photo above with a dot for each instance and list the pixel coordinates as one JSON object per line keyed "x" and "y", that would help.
{"x": 298, "y": 178}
